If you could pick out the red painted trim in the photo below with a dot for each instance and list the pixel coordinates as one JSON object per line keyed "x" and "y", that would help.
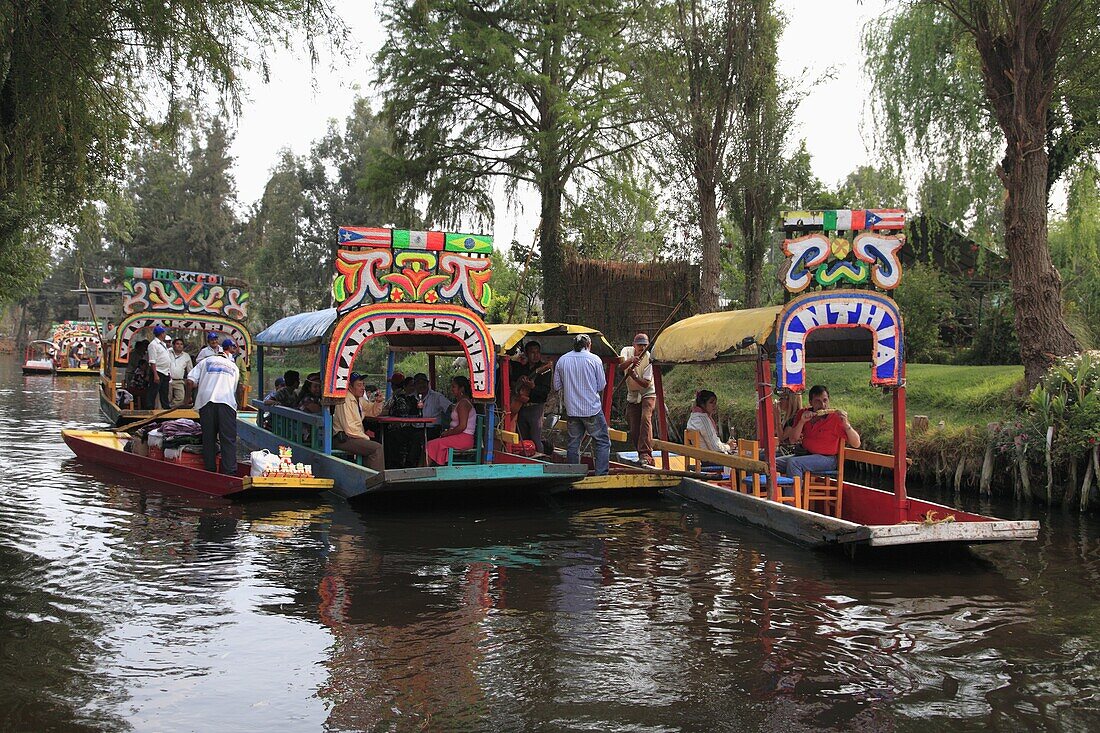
{"x": 662, "y": 415}
{"x": 900, "y": 447}
{"x": 609, "y": 390}
{"x": 506, "y": 387}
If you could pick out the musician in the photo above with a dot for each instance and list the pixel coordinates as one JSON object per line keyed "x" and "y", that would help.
{"x": 531, "y": 378}
{"x": 817, "y": 432}
{"x": 641, "y": 396}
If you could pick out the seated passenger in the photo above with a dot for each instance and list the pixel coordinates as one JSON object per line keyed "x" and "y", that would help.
{"x": 703, "y": 420}
{"x": 460, "y": 435}
{"x": 280, "y": 382}
{"x": 287, "y": 395}
{"x": 348, "y": 433}
{"x": 817, "y": 432}
{"x": 309, "y": 397}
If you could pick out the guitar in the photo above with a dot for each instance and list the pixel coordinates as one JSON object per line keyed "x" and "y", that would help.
{"x": 521, "y": 394}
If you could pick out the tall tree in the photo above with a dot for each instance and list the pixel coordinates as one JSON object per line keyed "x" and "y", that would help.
{"x": 528, "y": 91}
{"x": 1026, "y": 73}
{"x": 75, "y": 78}
{"x": 700, "y": 76}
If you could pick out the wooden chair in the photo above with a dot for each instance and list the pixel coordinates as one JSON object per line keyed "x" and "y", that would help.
{"x": 756, "y": 484}
{"x": 691, "y": 440}
{"x": 826, "y": 487}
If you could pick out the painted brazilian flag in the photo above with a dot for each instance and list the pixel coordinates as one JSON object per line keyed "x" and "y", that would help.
{"x": 476, "y": 243}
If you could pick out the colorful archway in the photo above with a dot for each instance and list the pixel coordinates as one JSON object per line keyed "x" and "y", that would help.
{"x": 359, "y": 326}
{"x": 868, "y": 310}
{"x": 131, "y": 325}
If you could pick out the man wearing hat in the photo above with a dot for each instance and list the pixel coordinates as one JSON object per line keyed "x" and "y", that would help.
{"x": 580, "y": 377}
{"x": 211, "y": 347}
{"x": 641, "y": 397}
{"x": 213, "y": 381}
{"x": 400, "y": 438}
{"x": 160, "y": 358}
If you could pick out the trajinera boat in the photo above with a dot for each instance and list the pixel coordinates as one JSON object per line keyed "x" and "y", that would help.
{"x": 79, "y": 348}
{"x": 38, "y": 358}
{"x": 117, "y": 451}
{"x": 191, "y": 302}
{"x": 419, "y": 292}
{"x": 848, "y": 317}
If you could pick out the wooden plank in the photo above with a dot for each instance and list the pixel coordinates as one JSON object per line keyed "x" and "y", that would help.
{"x": 870, "y": 457}
{"x": 722, "y": 459}
{"x": 507, "y": 436}
{"x": 634, "y": 481}
{"x": 617, "y": 435}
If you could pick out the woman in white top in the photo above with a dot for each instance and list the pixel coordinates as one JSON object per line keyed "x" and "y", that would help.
{"x": 703, "y": 421}
{"x": 460, "y": 435}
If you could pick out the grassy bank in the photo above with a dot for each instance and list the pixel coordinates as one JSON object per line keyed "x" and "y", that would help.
{"x": 962, "y": 397}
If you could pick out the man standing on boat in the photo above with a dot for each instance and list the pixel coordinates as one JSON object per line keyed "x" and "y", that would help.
{"x": 213, "y": 381}
{"x": 160, "y": 359}
{"x": 641, "y": 396}
{"x": 532, "y": 366}
{"x": 181, "y": 365}
{"x": 580, "y": 377}
{"x": 434, "y": 405}
{"x": 210, "y": 349}
{"x": 817, "y": 432}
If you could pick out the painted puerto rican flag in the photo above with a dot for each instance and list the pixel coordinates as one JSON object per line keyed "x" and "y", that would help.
{"x": 884, "y": 219}
{"x": 365, "y": 237}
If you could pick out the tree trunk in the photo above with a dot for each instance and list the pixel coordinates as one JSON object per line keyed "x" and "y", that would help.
{"x": 752, "y": 262}
{"x": 555, "y": 295}
{"x": 1018, "y": 69}
{"x": 708, "y": 225}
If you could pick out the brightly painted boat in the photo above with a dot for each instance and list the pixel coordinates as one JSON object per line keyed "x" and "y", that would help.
{"x": 79, "y": 348}
{"x": 191, "y": 303}
{"x": 38, "y": 358}
{"x": 849, "y": 323}
{"x": 417, "y": 292}
{"x": 108, "y": 448}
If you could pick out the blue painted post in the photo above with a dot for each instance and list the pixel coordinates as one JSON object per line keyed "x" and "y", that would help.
{"x": 389, "y": 373}
{"x": 492, "y": 434}
{"x": 326, "y": 431}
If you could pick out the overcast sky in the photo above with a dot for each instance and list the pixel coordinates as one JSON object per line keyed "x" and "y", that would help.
{"x": 296, "y": 106}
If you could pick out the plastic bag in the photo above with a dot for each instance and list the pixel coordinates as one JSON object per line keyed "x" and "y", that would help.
{"x": 263, "y": 460}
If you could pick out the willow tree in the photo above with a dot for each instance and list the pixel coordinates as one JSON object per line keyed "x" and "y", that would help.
{"x": 528, "y": 92}
{"x": 955, "y": 76}
{"x": 700, "y": 74}
{"x": 75, "y": 78}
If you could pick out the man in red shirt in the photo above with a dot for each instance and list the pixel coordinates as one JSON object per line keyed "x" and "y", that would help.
{"x": 817, "y": 431}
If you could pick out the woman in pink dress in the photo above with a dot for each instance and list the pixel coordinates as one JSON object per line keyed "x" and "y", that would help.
{"x": 460, "y": 435}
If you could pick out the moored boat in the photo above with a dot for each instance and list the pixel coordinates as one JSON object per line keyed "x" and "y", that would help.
{"x": 38, "y": 358}
{"x": 79, "y": 348}
{"x": 183, "y": 302}
{"x": 849, "y": 323}
{"x": 109, "y": 449}
{"x": 418, "y": 292}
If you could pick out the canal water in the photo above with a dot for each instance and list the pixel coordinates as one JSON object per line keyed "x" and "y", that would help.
{"x": 126, "y": 606}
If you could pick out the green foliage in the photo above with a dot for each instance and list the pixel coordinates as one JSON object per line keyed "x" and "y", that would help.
{"x": 529, "y": 91}
{"x": 995, "y": 340}
{"x": 620, "y": 217}
{"x": 74, "y": 80}
{"x": 1075, "y": 249}
{"x": 927, "y": 299}
{"x": 868, "y": 187}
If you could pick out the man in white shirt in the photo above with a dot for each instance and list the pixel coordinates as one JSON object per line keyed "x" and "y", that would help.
{"x": 641, "y": 396}
{"x": 160, "y": 359}
{"x": 435, "y": 405}
{"x": 181, "y": 365}
{"x": 213, "y": 381}
{"x": 210, "y": 349}
{"x": 580, "y": 376}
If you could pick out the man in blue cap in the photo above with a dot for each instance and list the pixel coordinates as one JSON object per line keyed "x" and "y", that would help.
{"x": 213, "y": 381}
{"x": 210, "y": 349}
{"x": 160, "y": 359}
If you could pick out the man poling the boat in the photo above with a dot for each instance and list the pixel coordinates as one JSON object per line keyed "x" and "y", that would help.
{"x": 818, "y": 430}
{"x": 160, "y": 359}
{"x": 213, "y": 381}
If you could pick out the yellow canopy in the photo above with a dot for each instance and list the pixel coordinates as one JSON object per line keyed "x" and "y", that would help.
{"x": 716, "y": 336}
{"x": 555, "y": 338}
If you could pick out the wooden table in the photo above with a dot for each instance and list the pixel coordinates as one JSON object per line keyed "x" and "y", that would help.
{"x": 383, "y": 420}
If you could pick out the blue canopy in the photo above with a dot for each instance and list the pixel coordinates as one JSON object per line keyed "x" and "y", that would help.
{"x": 303, "y": 329}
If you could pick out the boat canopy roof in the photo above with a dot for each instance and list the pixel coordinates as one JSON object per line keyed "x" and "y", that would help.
{"x": 47, "y": 345}
{"x": 303, "y": 329}
{"x": 718, "y": 337}
{"x": 554, "y": 338}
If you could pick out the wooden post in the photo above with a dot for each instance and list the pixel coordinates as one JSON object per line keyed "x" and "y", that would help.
{"x": 260, "y": 369}
{"x": 609, "y": 391}
{"x": 765, "y": 421}
{"x": 662, "y": 414}
{"x": 431, "y": 370}
{"x": 900, "y": 498}
{"x": 390, "y": 358}
{"x": 506, "y": 391}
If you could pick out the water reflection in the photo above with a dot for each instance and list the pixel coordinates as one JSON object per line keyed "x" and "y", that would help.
{"x": 126, "y": 605}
